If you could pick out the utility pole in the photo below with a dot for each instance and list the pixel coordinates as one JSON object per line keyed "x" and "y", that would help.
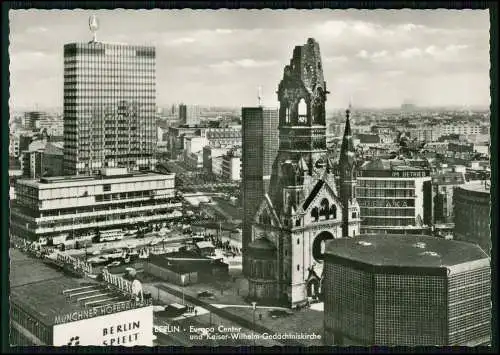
{"x": 254, "y": 306}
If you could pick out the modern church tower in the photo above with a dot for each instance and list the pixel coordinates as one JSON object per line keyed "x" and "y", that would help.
{"x": 302, "y": 208}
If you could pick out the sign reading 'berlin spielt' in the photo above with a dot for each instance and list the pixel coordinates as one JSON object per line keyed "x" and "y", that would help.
{"x": 77, "y": 263}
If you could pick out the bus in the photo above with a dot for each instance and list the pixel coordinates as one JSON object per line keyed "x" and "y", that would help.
{"x": 110, "y": 235}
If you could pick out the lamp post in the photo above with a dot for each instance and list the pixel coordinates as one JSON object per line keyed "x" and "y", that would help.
{"x": 182, "y": 281}
{"x": 254, "y": 306}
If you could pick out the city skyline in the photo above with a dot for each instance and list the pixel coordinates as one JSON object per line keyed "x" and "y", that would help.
{"x": 374, "y": 58}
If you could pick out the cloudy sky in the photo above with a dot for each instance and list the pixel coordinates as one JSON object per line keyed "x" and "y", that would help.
{"x": 379, "y": 58}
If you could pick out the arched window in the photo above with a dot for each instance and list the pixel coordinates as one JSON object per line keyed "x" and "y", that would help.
{"x": 298, "y": 241}
{"x": 302, "y": 108}
{"x": 315, "y": 214}
{"x": 297, "y": 223}
{"x": 298, "y": 267}
{"x": 333, "y": 211}
{"x": 325, "y": 209}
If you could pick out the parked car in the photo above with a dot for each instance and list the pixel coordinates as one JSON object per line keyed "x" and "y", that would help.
{"x": 98, "y": 260}
{"x": 206, "y": 294}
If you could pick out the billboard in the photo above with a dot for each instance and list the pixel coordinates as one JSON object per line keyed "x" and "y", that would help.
{"x": 129, "y": 328}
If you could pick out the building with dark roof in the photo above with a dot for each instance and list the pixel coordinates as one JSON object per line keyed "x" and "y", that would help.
{"x": 406, "y": 290}
{"x": 49, "y": 307}
{"x": 43, "y": 158}
{"x": 442, "y": 195}
{"x": 186, "y": 267}
{"x": 472, "y": 209}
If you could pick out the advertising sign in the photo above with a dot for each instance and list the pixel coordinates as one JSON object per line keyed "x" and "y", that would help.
{"x": 77, "y": 263}
{"x": 128, "y": 328}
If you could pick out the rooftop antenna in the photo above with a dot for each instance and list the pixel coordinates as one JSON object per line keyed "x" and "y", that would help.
{"x": 259, "y": 95}
{"x": 93, "y": 26}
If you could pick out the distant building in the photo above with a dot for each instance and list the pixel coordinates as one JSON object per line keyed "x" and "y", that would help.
{"x": 443, "y": 186}
{"x": 43, "y": 158}
{"x": 394, "y": 197}
{"x": 259, "y": 148}
{"x": 473, "y": 214}
{"x": 406, "y": 290}
{"x": 227, "y": 137}
{"x": 31, "y": 119}
{"x": 176, "y": 139}
{"x": 81, "y": 205}
{"x": 231, "y": 165}
{"x": 368, "y": 138}
{"x": 194, "y": 161}
{"x": 109, "y": 119}
{"x": 189, "y": 115}
{"x": 212, "y": 159}
{"x": 194, "y": 144}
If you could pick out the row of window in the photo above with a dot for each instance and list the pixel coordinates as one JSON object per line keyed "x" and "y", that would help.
{"x": 362, "y": 192}
{"x": 33, "y": 325}
{"x": 387, "y": 212}
{"x": 390, "y": 222}
{"x": 390, "y": 184}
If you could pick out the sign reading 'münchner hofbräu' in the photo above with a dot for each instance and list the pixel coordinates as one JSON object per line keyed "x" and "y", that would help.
{"x": 101, "y": 311}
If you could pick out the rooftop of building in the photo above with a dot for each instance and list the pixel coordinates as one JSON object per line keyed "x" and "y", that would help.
{"x": 477, "y": 186}
{"x": 50, "y": 181}
{"x": 184, "y": 261}
{"x": 38, "y": 288}
{"x": 391, "y": 165}
{"x": 448, "y": 178}
{"x": 404, "y": 251}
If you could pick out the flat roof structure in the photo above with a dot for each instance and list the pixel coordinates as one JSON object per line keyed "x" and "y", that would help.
{"x": 46, "y": 292}
{"x": 404, "y": 251}
{"x": 64, "y": 181}
{"x": 476, "y": 186}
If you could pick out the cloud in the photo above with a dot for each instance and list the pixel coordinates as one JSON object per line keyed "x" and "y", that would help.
{"x": 408, "y": 27}
{"x": 337, "y": 59}
{"x": 332, "y": 28}
{"x": 243, "y": 63}
{"x": 410, "y": 53}
{"x": 37, "y": 29}
{"x": 180, "y": 41}
{"x": 362, "y": 54}
{"x": 223, "y": 31}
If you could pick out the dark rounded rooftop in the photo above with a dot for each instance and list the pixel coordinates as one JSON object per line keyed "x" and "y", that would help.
{"x": 404, "y": 251}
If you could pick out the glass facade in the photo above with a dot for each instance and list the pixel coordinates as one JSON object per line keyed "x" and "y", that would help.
{"x": 22, "y": 324}
{"x": 109, "y": 107}
{"x": 349, "y": 305}
{"x": 469, "y": 304}
{"x": 81, "y": 205}
{"x": 386, "y": 202}
{"x": 259, "y": 148}
{"x": 368, "y": 306}
{"x": 410, "y": 309}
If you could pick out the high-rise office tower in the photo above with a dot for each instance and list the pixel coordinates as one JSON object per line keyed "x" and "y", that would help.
{"x": 109, "y": 107}
{"x": 189, "y": 115}
{"x": 259, "y": 149}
